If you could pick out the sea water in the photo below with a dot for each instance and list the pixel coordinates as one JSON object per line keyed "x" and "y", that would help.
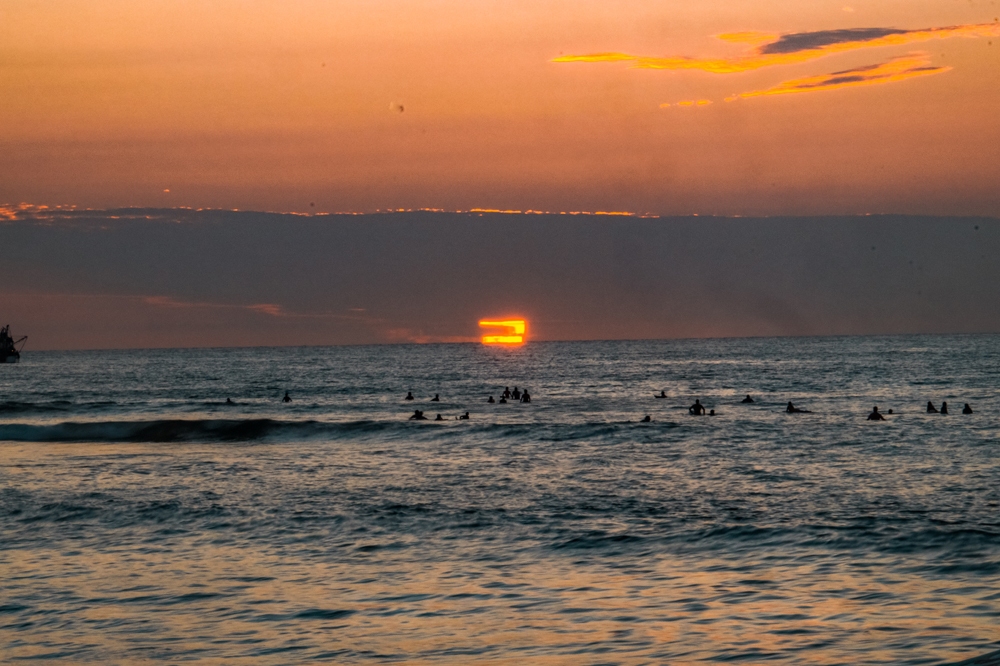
{"x": 143, "y": 520}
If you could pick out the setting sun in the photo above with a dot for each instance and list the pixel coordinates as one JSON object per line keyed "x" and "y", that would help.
{"x": 513, "y": 333}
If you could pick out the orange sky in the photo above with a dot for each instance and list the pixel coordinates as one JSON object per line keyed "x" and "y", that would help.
{"x": 323, "y": 106}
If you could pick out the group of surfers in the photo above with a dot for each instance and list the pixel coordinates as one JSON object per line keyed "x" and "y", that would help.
{"x": 419, "y": 416}
{"x": 517, "y": 395}
{"x": 697, "y": 409}
{"x": 931, "y": 409}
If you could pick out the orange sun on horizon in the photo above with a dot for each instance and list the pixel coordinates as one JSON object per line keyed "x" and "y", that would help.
{"x": 514, "y": 331}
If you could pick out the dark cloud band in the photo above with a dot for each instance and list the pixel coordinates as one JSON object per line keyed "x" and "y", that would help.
{"x": 803, "y": 41}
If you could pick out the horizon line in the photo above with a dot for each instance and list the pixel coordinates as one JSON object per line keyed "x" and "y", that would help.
{"x": 10, "y": 212}
{"x": 528, "y": 342}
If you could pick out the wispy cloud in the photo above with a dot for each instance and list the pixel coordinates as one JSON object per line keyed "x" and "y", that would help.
{"x": 821, "y": 39}
{"x": 689, "y": 103}
{"x": 769, "y": 49}
{"x": 897, "y": 69}
{"x": 269, "y": 309}
{"x": 70, "y": 215}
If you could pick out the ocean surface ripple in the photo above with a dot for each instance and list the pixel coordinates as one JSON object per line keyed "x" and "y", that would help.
{"x": 143, "y": 519}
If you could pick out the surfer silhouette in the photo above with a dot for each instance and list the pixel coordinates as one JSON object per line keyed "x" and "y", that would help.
{"x": 967, "y": 409}
{"x": 944, "y": 407}
{"x": 418, "y": 416}
{"x": 792, "y": 409}
{"x": 525, "y": 397}
{"x": 436, "y": 398}
{"x": 747, "y": 399}
{"x": 646, "y": 420}
{"x": 875, "y": 416}
{"x": 663, "y": 394}
{"x": 697, "y": 408}
{"x": 931, "y": 409}
{"x": 409, "y": 395}
{"x": 287, "y": 397}
{"x": 491, "y": 400}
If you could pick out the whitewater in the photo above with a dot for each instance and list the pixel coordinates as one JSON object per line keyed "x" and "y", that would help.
{"x": 145, "y": 520}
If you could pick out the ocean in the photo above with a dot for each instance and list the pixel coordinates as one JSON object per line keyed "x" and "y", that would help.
{"x": 143, "y": 520}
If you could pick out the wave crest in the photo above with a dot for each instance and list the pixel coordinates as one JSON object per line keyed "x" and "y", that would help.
{"x": 174, "y": 430}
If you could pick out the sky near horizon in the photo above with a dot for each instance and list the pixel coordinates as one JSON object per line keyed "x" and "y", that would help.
{"x": 86, "y": 279}
{"x": 669, "y": 108}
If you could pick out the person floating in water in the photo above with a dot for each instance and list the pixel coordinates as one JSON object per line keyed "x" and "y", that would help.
{"x": 697, "y": 409}
{"x": 506, "y": 392}
{"x": 525, "y": 397}
{"x": 503, "y": 400}
{"x": 792, "y": 409}
{"x": 464, "y": 417}
{"x": 875, "y": 416}
{"x": 229, "y": 401}
{"x": 944, "y": 407}
{"x": 663, "y": 394}
{"x": 436, "y": 398}
{"x": 491, "y": 400}
{"x": 409, "y": 395}
{"x": 646, "y": 420}
{"x": 439, "y": 418}
{"x": 931, "y": 409}
{"x": 967, "y": 409}
{"x": 711, "y": 412}
{"x": 747, "y": 399}
{"x": 287, "y": 397}
{"x": 516, "y": 394}
{"x": 418, "y": 416}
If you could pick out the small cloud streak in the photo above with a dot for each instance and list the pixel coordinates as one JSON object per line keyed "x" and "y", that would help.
{"x": 688, "y": 102}
{"x": 818, "y": 40}
{"x": 269, "y": 309}
{"x": 769, "y": 50}
{"x": 752, "y": 37}
{"x": 897, "y": 69}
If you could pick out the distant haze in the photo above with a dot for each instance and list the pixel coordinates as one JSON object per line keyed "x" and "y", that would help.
{"x": 175, "y": 278}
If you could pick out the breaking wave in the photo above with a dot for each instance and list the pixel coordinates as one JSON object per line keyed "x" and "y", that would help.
{"x": 174, "y": 430}
{"x": 237, "y": 430}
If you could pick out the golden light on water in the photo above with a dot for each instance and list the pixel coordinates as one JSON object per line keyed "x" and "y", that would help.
{"x": 513, "y": 331}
